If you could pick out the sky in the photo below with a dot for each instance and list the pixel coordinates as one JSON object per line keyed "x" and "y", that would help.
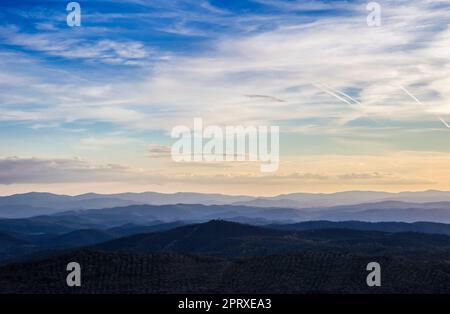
{"x": 91, "y": 108}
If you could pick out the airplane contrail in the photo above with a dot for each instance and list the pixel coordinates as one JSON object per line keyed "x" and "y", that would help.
{"x": 272, "y": 98}
{"x": 332, "y": 94}
{"x": 340, "y": 95}
{"x": 407, "y": 92}
{"x": 349, "y": 97}
{"x": 343, "y": 94}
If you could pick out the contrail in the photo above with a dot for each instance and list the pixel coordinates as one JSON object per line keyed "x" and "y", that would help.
{"x": 411, "y": 95}
{"x": 445, "y": 123}
{"x": 349, "y": 97}
{"x": 332, "y": 94}
{"x": 343, "y": 94}
{"x": 340, "y": 95}
{"x": 420, "y": 103}
{"x": 272, "y": 98}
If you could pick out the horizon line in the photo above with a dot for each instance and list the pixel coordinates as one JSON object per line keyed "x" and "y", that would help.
{"x": 223, "y": 194}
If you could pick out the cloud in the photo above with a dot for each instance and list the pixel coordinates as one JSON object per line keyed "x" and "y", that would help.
{"x": 68, "y": 46}
{"x": 46, "y": 26}
{"x": 159, "y": 151}
{"x": 307, "y": 5}
{"x": 406, "y": 171}
{"x": 367, "y": 64}
{"x": 36, "y": 170}
{"x": 102, "y": 142}
{"x": 288, "y": 59}
{"x": 158, "y": 64}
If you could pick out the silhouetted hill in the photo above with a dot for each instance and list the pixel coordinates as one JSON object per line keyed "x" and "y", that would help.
{"x": 232, "y": 239}
{"x": 223, "y": 238}
{"x": 248, "y": 259}
{"x": 301, "y": 272}
{"x": 214, "y": 237}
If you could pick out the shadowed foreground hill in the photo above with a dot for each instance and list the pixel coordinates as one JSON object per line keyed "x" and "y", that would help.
{"x": 215, "y": 238}
{"x": 302, "y": 272}
{"x": 227, "y": 257}
{"x": 223, "y": 238}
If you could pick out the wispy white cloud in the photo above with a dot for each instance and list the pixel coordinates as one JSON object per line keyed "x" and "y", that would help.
{"x": 287, "y": 60}
{"x": 260, "y": 67}
{"x": 159, "y": 151}
{"x": 34, "y": 170}
{"x": 62, "y": 45}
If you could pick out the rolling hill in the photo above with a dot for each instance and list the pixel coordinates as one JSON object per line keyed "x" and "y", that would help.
{"x": 229, "y": 257}
{"x": 222, "y": 238}
{"x": 301, "y": 272}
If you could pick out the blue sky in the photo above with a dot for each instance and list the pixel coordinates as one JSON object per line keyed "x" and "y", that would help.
{"x": 109, "y": 92}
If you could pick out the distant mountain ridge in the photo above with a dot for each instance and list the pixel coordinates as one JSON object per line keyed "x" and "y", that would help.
{"x": 93, "y": 210}
{"x": 370, "y": 212}
{"x": 145, "y": 214}
{"x": 308, "y": 200}
{"x": 37, "y": 203}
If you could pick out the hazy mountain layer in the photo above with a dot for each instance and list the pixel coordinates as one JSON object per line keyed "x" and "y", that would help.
{"x": 32, "y": 204}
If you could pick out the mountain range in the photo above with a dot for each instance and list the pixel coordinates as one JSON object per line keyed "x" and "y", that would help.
{"x": 226, "y": 257}
{"x": 33, "y": 204}
{"x": 144, "y": 214}
{"x": 224, "y": 238}
{"x": 192, "y": 242}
